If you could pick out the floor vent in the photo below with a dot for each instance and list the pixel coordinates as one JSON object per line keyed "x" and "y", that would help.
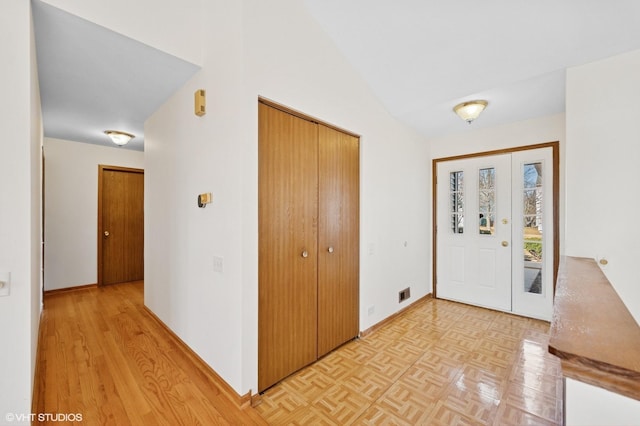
{"x": 404, "y": 294}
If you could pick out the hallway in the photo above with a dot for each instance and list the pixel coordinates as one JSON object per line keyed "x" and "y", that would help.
{"x": 102, "y": 355}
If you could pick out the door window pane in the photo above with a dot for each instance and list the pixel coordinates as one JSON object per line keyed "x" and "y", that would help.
{"x": 456, "y": 195}
{"x": 532, "y": 225}
{"x": 487, "y": 200}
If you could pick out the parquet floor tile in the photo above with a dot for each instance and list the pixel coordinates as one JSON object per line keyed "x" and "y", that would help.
{"x": 439, "y": 363}
{"x": 377, "y": 415}
{"x": 341, "y": 404}
{"x": 509, "y": 415}
{"x": 388, "y": 365}
{"x": 368, "y": 383}
{"x": 309, "y": 384}
{"x": 443, "y": 415}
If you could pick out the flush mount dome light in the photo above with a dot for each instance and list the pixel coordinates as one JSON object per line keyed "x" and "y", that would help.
{"x": 118, "y": 137}
{"x": 470, "y": 110}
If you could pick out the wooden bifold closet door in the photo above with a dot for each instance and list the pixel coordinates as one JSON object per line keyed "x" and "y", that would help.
{"x": 338, "y": 238}
{"x": 308, "y": 242}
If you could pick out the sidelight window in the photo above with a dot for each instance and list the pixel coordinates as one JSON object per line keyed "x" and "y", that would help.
{"x": 532, "y": 218}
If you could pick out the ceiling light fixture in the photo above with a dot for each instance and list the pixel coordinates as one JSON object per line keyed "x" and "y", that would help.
{"x": 470, "y": 110}
{"x": 118, "y": 137}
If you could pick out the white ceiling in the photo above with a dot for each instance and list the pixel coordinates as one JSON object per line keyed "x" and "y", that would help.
{"x": 420, "y": 57}
{"x": 93, "y": 79}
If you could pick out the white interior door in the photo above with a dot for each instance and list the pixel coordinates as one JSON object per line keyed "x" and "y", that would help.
{"x": 494, "y": 233}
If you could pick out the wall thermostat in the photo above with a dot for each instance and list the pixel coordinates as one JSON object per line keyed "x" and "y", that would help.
{"x": 204, "y": 199}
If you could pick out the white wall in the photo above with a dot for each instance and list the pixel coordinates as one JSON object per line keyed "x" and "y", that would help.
{"x": 273, "y": 49}
{"x": 168, "y": 25}
{"x": 20, "y": 120}
{"x": 588, "y": 405}
{"x": 603, "y": 151}
{"x": 71, "y": 208}
{"x": 521, "y": 133}
{"x": 36, "y": 203}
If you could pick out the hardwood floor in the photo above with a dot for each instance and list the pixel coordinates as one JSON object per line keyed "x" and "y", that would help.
{"x": 439, "y": 363}
{"x": 102, "y": 355}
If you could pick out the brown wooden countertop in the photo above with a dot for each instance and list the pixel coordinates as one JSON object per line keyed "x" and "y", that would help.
{"x": 592, "y": 331}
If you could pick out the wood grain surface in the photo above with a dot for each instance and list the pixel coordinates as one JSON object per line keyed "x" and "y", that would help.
{"x": 287, "y": 226}
{"x": 103, "y": 356}
{"x": 121, "y": 216}
{"x": 592, "y": 331}
{"x": 338, "y": 238}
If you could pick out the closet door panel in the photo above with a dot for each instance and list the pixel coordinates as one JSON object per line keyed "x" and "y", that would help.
{"x": 338, "y": 238}
{"x": 287, "y": 226}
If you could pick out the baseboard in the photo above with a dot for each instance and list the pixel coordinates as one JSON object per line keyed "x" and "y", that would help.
{"x": 242, "y": 401}
{"x": 256, "y": 399}
{"x": 68, "y": 289}
{"x": 392, "y": 317}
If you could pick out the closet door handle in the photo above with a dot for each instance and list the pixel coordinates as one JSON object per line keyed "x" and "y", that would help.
{"x": 305, "y": 254}
{"x": 330, "y": 249}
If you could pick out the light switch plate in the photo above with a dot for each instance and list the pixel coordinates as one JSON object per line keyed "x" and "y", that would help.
{"x": 218, "y": 264}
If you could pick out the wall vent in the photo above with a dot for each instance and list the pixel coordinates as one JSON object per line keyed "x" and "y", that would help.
{"x": 404, "y": 294}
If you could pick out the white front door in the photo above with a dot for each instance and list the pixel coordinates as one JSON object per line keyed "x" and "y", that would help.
{"x": 491, "y": 244}
{"x": 474, "y": 198}
{"x": 532, "y": 290}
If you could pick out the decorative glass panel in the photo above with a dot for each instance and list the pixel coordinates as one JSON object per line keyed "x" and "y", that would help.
{"x": 487, "y": 178}
{"x": 532, "y": 223}
{"x": 456, "y": 192}
{"x": 530, "y": 199}
{"x": 487, "y": 200}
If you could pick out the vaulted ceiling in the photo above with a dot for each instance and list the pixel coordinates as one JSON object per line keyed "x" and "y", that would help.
{"x": 420, "y": 58}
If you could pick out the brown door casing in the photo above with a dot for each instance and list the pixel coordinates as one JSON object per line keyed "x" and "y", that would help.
{"x": 120, "y": 224}
{"x": 555, "y": 147}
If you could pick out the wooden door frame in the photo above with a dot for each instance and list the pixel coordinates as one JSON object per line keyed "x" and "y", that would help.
{"x": 42, "y": 223}
{"x": 555, "y": 152}
{"x": 101, "y": 169}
